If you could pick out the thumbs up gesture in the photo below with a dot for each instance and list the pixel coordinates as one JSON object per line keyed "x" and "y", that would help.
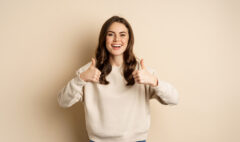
{"x": 142, "y": 76}
{"x": 92, "y": 74}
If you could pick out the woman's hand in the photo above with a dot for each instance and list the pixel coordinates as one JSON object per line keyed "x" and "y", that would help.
{"x": 92, "y": 74}
{"x": 142, "y": 76}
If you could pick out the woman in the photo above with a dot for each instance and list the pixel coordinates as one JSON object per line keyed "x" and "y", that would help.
{"x": 116, "y": 88}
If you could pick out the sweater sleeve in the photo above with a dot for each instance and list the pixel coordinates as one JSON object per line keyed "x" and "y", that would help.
{"x": 164, "y": 92}
{"x": 73, "y": 91}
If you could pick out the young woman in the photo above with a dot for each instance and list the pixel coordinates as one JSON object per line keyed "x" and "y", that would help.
{"x": 116, "y": 88}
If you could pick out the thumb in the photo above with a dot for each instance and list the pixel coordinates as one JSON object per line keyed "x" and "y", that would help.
{"x": 142, "y": 64}
{"x": 93, "y": 62}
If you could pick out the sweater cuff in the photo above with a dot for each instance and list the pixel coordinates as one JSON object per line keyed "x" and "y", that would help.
{"x": 160, "y": 85}
{"x": 167, "y": 92}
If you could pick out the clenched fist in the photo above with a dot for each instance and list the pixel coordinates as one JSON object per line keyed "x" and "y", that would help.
{"x": 92, "y": 74}
{"x": 142, "y": 76}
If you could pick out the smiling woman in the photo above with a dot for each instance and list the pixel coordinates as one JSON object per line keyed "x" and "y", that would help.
{"x": 115, "y": 48}
{"x": 116, "y": 88}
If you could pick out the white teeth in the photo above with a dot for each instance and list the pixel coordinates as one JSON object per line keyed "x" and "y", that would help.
{"x": 116, "y": 45}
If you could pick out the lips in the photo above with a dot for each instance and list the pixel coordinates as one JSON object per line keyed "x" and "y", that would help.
{"x": 116, "y": 46}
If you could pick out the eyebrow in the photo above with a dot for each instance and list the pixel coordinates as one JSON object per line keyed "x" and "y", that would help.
{"x": 120, "y": 32}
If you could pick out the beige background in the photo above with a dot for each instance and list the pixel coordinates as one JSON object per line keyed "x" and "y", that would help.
{"x": 193, "y": 44}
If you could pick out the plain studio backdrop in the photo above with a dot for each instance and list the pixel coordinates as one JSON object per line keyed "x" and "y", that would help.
{"x": 193, "y": 44}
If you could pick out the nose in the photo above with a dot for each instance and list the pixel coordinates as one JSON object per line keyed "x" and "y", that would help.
{"x": 116, "y": 38}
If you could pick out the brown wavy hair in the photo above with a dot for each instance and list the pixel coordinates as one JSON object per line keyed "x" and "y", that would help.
{"x": 102, "y": 54}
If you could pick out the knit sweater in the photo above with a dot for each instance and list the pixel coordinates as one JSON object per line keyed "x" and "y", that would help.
{"x": 116, "y": 112}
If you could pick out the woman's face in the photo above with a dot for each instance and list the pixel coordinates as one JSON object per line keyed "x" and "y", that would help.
{"x": 117, "y": 39}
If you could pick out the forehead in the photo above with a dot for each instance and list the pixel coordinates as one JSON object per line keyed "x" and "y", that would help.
{"x": 117, "y": 27}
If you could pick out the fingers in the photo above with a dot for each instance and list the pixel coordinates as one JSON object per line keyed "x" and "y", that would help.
{"x": 139, "y": 79}
{"x": 136, "y": 73}
{"x": 96, "y": 76}
{"x": 139, "y": 76}
{"x": 96, "y": 79}
{"x": 136, "y": 76}
{"x": 95, "y": 72}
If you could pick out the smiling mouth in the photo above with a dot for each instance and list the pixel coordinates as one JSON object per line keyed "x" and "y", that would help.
{"x": 116, "y": 46}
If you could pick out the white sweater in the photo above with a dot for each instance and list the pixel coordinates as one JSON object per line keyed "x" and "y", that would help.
{"x": 116, "y": 112}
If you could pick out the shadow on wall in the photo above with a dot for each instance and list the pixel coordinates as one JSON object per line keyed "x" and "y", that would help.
{"x": 70, "y": 120}
{"x": 75, "y": 119}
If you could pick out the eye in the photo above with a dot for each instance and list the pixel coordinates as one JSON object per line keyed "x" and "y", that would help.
{"x": 122, "y": 35}
{"x": 110, "y": 34}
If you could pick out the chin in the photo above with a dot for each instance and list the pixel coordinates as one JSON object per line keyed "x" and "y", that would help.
{"x": 117, "y": 54}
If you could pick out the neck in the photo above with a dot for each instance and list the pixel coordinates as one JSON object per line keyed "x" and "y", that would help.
{"x": 116, "y": 60}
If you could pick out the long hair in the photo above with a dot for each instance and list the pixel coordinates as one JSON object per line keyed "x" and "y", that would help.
{"x": 102, "y": 54}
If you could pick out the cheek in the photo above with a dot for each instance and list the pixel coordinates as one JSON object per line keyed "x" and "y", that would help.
{"x": 125, "y": 41}
{"x": 109, "y": 39}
